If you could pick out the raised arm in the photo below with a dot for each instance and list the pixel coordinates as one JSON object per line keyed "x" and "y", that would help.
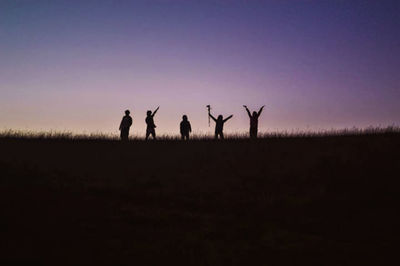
{"x": 155, "y": 111}
{"x": 259, "y": 112}
{"x": 247, "y": 109}
{"x": 229, "y": 117}
{"x": 213, "y": 118}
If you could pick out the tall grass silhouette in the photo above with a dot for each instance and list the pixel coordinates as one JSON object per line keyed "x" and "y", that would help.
{"x": 67, "y": 135}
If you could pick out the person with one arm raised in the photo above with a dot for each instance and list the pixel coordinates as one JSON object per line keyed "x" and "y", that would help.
{"x": 254, "y": 121}
{"x": 150, "y": 130}
{"x": 219, "y": 125}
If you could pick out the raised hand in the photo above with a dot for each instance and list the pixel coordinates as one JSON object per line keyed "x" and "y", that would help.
{"x": 229, "y": 117}
{"x": 155, "y": 111}
{"x": 259, "y": 112}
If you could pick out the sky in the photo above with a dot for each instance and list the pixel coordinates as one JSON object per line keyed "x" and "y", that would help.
{"x": 316, "y": 64}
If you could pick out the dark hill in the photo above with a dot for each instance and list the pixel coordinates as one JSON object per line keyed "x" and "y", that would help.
{"x": 292, "y": 201}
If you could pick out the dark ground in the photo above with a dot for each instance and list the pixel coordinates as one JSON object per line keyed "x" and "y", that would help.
{"x": 278, "y": 201}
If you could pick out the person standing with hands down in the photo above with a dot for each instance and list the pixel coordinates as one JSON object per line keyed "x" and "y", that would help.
{"x": 185, "y": 128}
{"x": 125, "y": 125}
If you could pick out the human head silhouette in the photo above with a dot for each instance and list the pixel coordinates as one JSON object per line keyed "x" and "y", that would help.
{"x": 254, "y": 113}
{"x": 220, "y": 117}
{"x": 184, "y": 118}
{"x": 149, "y": 113}
{"x": 127, "y": 112}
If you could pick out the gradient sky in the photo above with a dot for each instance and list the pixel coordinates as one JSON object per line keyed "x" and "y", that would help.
{"x": 316, "y": 64}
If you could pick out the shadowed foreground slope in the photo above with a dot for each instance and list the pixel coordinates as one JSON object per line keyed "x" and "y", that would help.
{"x": 319, "y": 201}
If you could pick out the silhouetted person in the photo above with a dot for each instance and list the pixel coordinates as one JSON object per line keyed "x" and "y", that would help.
{"x": 219, "y": 125}
{"x": 125, "y": 125}
{"x": 254, "y": 121}
{"x": 185, "y": 128}
{"x": 150, "y": 130}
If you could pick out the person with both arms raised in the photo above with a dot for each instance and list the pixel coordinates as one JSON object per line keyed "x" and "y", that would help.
{"x": 219, "y": 125}
{"x": 254, "y": 121}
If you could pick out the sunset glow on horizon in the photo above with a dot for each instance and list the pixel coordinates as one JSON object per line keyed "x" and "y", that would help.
{"x": 78, "y": 65}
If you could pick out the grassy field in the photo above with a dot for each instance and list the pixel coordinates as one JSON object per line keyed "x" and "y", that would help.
{"x": 316, "y": 200}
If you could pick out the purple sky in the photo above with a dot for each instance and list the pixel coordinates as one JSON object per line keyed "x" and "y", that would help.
{"x": 77, "y": 65}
